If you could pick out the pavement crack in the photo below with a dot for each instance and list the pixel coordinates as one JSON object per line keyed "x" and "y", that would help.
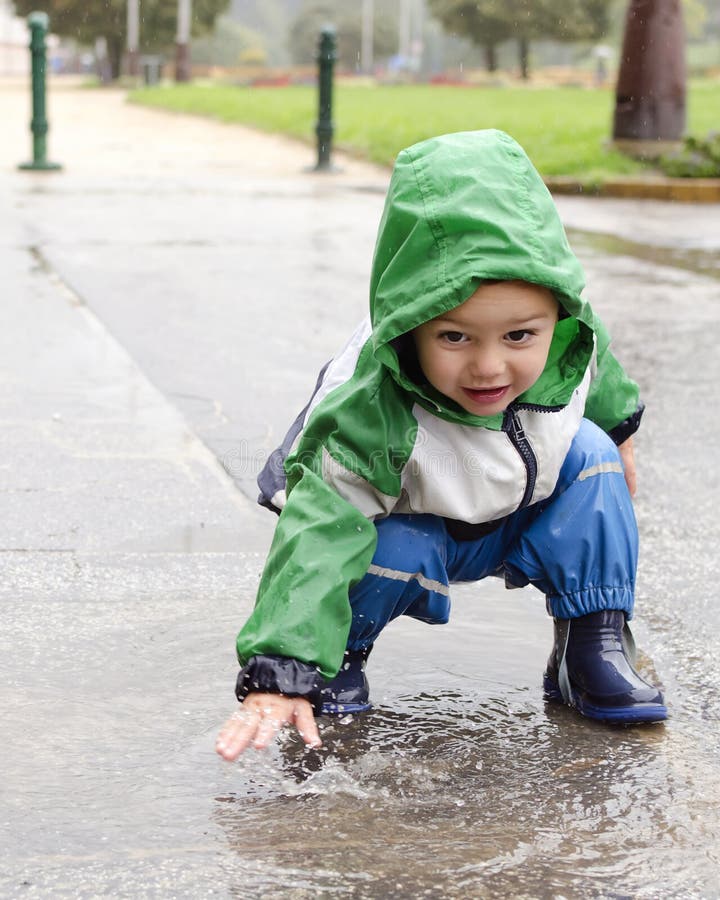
{"x": 59, "y": 283}
{"x": 198, "y": 449}
{"x": 215, "y": 405}
{"x": 38, "y": 550}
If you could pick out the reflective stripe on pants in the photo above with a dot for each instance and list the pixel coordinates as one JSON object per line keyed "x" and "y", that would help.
{"x": 579, "y": 547}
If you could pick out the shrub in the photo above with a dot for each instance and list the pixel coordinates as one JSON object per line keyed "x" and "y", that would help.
{"x": 698, "y": 158}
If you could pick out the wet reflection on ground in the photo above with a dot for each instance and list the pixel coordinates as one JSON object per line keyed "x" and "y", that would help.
{"x": 462, "y": 795}
{"x": 692, "y": 259}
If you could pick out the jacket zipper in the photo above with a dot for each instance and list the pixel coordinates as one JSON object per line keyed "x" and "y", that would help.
{"x": 514, "y": 430}
{"x": 535, "y": 407}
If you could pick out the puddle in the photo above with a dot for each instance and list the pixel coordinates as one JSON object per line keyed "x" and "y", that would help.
{"x": 691, "y": 259}
{"x": 456, "y": 797}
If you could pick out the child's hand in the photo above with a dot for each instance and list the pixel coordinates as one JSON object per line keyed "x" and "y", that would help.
{"x": 259, "y": 719}
{"x": 627, "y": 455}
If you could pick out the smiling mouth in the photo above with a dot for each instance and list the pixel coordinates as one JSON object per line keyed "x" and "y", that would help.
{"x": 486, "y": 395}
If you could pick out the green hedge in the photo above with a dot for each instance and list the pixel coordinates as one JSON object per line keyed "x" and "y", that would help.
{"x": 699, "y": 158}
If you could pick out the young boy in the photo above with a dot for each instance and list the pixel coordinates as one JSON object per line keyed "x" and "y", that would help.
{"x": 470, "y": 428}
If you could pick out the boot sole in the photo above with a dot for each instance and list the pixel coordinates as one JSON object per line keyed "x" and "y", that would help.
{"x": 618, "y": 715}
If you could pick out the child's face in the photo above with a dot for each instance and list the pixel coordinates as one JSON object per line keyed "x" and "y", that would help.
{"x": 487, "y": 351}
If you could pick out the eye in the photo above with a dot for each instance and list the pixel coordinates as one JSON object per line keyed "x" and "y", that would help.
{"x": 519, "y": 337}
{"x": 453, "y": 337}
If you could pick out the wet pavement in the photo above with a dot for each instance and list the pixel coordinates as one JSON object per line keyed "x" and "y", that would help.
{"x": 167, "y": 300}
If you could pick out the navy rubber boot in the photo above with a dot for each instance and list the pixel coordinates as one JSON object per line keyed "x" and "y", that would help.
{"x": 591, "y": 669}
{"x": 348, "y": 692}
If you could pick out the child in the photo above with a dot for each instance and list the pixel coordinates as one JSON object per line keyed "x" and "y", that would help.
{"x": 469, "y": 428}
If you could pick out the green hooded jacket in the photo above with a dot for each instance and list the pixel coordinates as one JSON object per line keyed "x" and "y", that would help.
{"x": 376, "y": 439}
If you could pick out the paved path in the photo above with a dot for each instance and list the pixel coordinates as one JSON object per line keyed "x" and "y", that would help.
{"x": 167, "y": 299}
{"x": 94, "y": 132}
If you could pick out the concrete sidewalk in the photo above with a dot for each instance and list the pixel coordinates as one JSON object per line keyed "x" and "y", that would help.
{"x": 140, "y": 384}
{"x": 167, "y": 301}
{"x": 95, "y": 132}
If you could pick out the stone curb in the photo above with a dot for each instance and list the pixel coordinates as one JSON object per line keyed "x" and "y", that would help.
{"x": 681, "y": 190}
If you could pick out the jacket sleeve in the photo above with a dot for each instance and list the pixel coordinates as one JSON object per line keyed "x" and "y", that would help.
{"x": 613, "y": 400}
{"x": 322, "y": 546}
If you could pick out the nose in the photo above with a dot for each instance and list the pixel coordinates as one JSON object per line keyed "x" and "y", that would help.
{"x": 486, "y": 364}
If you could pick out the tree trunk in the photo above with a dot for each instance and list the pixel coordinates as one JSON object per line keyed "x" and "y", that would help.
{"x": 132, "y": 45}
{"x": 650, "y": 93}
{"x": 182, "y": 43}
{"x": 115, "y": 53}
{"x": 524, "y": 57}
{"x": 491, "y": 57}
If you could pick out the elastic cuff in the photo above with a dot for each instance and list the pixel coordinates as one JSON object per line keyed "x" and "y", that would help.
{"x": 591, "y": 600}
{"x": 281, "y": 675}
{"x": 620, "y": 433}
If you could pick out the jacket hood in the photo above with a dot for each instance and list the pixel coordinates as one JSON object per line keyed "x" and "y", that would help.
{"x": 462, "y": 209}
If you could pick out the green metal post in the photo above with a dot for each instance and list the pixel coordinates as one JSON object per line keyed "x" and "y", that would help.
{"x": 38, "y": 23}
{"x": 326, "y": 57}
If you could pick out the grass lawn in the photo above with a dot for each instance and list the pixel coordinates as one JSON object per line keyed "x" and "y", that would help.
{"x": 563, "y": 129}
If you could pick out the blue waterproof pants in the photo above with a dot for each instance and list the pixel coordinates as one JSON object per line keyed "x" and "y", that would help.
{"x": 579, "y": 547}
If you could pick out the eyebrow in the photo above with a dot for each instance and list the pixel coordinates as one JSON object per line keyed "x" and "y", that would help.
{"x": 522, "y": 320}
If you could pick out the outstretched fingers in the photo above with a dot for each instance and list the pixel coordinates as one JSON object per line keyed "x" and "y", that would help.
{"x": 260, "y": 718}
{"x": 306, "y": 724}
{"x": 237, "y": 733}
{"x": 272, "y": 719}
